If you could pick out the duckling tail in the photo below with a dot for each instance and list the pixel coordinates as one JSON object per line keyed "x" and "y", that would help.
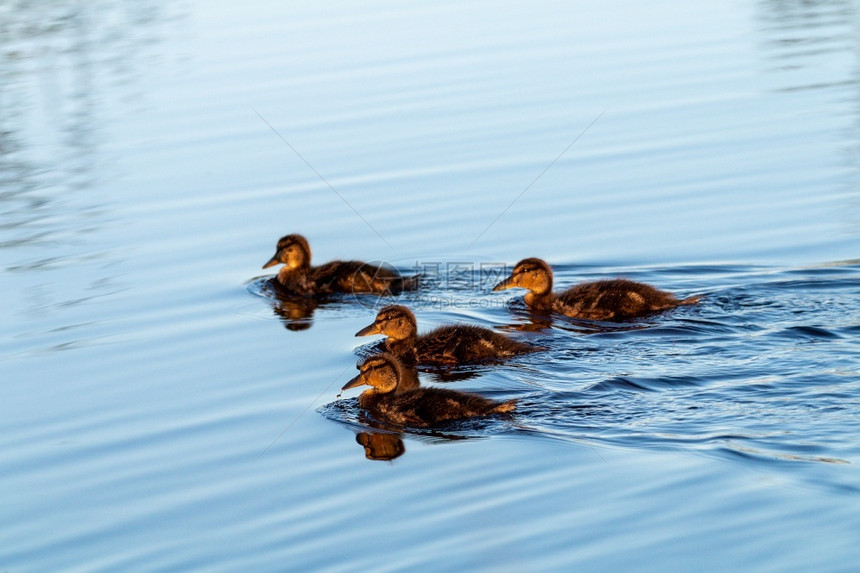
{"x": 505, "y": 407}
{"x": 409, "y": 283}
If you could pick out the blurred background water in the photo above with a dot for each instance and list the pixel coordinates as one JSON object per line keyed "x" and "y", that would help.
{"x": 155, "y": 413}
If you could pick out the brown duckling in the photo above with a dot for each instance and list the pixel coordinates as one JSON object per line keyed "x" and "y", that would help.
{"x": 298, "y": 276}
{"x": 418, "y": 407}
{"x": 444, "y": 346}
{"x": 611, "y": 300}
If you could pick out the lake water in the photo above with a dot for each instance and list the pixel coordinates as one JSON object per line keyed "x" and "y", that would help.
{"x": 159, "y": 410}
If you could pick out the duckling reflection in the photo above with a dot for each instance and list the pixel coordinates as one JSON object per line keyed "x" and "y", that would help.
{"x": 296, "y": 312}
{"x": 609, "y": 300}
{"x": 448, "y": 345}
{"x": 417, "y": 407}
{"x": 297, "y": 276}
{"x": 381, "y": 446}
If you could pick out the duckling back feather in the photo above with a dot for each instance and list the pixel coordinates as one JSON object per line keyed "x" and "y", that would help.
{"x": 424, "y": 407}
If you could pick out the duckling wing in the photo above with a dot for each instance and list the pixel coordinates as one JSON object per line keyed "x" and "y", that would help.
{"x": 457, "y": 344}
{"x": 402, "y": 349}
{"x": 357, "y": 277}
{"x": 293, "y": 283}
{"x": 444, "y": 404}
{"x": 431, "y": 406}
{"x": 335, "y": 276}
{"x": 616, "y": 299}
{"x": 405, "y": 409}
{"x": 495, "y": 344}
{"x": 440, "y": 346}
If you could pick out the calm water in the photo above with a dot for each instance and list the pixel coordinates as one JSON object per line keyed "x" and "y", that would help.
{"x": 159, "y": 410}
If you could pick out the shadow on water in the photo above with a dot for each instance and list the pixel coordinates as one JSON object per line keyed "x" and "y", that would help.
{"x": 763, "y": 369}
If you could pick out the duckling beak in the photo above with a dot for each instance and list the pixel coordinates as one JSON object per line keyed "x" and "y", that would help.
{"x": 276, "y": 259}
{"x": 369, "y": 330}
{"x": 357, "y": 381}
{"x": 505, "y": 284}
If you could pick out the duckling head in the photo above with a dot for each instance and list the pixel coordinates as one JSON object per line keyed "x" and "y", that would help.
{"x": 292, "y": 251}
{"x": 395, "y": 321}
{"x": 382, "y": 372}
{"x": 532, "y": 274}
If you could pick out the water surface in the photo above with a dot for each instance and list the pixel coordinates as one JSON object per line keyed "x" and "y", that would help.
{"x": 157, "y": 411}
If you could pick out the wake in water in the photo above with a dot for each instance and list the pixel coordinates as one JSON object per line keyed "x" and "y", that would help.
{"x": 765, "y": 368}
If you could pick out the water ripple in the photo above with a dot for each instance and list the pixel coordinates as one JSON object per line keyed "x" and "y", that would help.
{"x": 725, "y": 377}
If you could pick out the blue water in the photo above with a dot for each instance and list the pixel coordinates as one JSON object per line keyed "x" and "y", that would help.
{"x": 159, "y": 410}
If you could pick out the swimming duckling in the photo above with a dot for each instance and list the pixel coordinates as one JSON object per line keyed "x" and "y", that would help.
{"x": 418, "y": 407}
{"x": 299, "y": 277}
{"x": 615, "y": 299}
{"x": 447, "y": 345}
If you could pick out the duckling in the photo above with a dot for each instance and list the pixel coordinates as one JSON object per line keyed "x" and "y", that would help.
{"x": 418, "y": 407}
{"x": 447, "y": 345}
{"x": 299, "y": 277}
{"x": 610, "y": 300}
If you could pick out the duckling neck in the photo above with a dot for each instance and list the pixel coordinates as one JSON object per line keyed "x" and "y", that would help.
{"x": 403, "y": 348}
{"x": 539, "y": 301}
{"x": 368, "y": 399}
{"x": 296, "y": 279}
{"x": 406, "y": 339}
